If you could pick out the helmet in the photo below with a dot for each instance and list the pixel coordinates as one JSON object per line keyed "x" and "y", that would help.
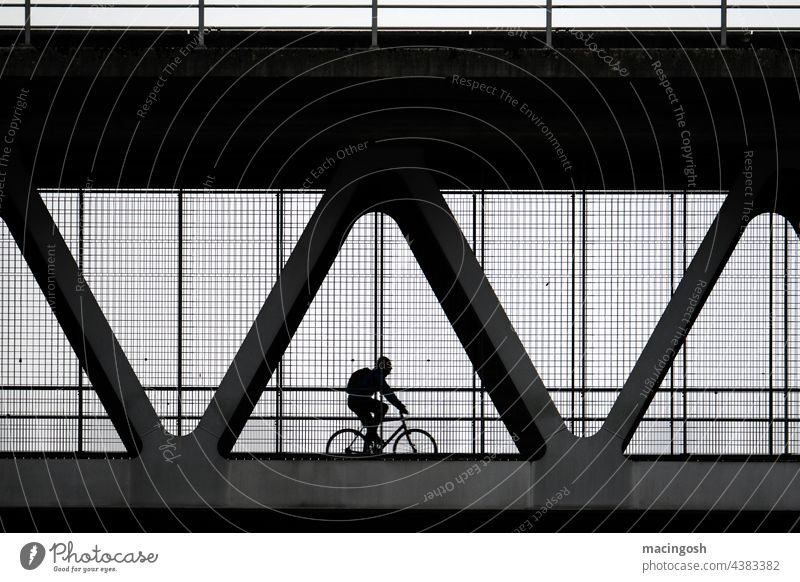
{"x": 384, "y": 363}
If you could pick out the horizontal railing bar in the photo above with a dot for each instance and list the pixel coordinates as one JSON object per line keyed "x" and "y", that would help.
{"x": 289, "y": 28}
{"x": 412, "y": 417}
{"x": 466, "y": 389}
{"x": 306, "y": 417}
{"x": 418, "y": 6}
{"x": 54, "y": 417}
{"x": 271, "y": 192}
{"x": 181, "y": 6}
{"x": 243, "y": 28}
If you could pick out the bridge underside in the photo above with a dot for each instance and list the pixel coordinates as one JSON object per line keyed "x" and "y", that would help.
{"x": 259, "y": 116}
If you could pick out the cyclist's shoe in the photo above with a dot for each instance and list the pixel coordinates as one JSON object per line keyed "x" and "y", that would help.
{"x": 374, "y": 445}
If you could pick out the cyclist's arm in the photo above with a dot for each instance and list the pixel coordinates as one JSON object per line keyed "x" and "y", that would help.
{"x": 389, "y": 394}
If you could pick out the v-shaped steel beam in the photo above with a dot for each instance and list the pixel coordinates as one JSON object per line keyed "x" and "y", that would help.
{"x": 397, "y": 183}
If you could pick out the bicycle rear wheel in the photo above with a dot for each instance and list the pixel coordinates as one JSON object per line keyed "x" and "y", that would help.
{"x": 345, "y": 443}
{"x": 415, "y": 441}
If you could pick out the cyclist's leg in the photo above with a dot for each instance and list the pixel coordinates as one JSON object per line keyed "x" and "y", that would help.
{"x": 378, "y": 409}
{"x": 363, "y": 409}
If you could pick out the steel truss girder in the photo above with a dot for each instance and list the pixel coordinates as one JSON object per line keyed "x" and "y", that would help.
{"x": 594, "y": 469}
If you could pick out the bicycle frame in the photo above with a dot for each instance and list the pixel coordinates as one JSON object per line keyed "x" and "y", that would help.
{"x": 399, "y": 430}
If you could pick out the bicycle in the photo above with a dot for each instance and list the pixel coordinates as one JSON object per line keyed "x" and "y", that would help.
{"x": 349, "y": 442}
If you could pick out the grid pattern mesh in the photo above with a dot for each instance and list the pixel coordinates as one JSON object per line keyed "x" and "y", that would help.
{"x": 229, "y": 265}
{"x": 627, "y": 285}
{"x": 130, "y": 262}
{"x": 320, "y": 358}
{"x": 45, "y": 402}
{"x": 731, "y": 391}
{"x": 583, "y": 276}
{"x": 531, "y": 258}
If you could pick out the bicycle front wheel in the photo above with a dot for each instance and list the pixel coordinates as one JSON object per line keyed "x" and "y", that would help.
{"x": 415, "y": 441}
{"x": 345, "y": 443}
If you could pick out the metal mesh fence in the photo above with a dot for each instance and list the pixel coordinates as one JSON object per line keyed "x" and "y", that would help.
{"x": 130, "y": 262}
{"x": 228, "y": 267}
{"x": 731, "y": 390}
{"x": 583, "y": 276}
{"x": 39, "y": 401}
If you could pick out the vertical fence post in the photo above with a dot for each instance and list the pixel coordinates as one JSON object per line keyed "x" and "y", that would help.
{"x": 201, "y": 22}
{"x": 27, "y": 21}
{"x": 548, "y": 27}
{"x": 685, "y": 349}
{"x": 671, "y": 293}
{"x": 483, "y": 266}
{"x": 584, "y": 319}
{"x": 786, "y": 338}
{"x": 179, "y": 411}
{"x": 374, "y": 24}
{"x": 573, "y": 310}
{"x": 81, "y": 222}
{"x": 279, "y": 226}
{"x": 723, "y": 23}
{"x": 474, "y": 371}
{"x": 771, "y": 341}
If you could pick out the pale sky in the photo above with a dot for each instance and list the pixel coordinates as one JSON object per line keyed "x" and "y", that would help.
{"x": 609, "y": 14}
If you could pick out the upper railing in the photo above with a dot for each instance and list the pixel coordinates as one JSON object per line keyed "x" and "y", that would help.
{"x": 545, "y": 16}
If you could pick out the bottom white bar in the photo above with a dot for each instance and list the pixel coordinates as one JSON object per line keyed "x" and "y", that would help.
{"x": 398, "y": 557}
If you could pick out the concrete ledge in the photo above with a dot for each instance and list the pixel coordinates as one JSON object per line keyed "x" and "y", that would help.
{"x": 393, "y": 486}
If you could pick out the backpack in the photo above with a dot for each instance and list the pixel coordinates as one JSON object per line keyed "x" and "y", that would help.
{"x": 357, "y": 379}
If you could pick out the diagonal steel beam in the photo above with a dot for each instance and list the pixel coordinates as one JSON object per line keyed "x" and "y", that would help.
{"x": 77, "y": 310}
{"x": 741, "y": 206}
{"x": 397, "y": 183}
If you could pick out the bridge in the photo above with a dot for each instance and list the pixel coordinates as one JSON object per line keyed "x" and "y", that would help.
{"x": 578, "y": 246}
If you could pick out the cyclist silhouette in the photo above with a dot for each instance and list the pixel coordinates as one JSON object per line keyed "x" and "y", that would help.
{"x": 361, "y": 387}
